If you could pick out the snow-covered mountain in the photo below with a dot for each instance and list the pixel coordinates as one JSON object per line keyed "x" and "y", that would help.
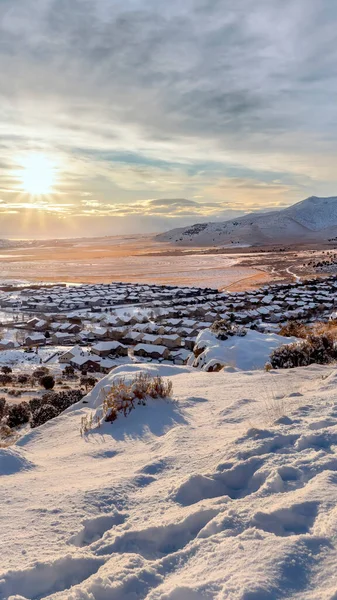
{"x": 313, "y": 219}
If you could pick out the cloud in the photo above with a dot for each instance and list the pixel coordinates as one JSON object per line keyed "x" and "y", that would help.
{"x": 230, "y": 105}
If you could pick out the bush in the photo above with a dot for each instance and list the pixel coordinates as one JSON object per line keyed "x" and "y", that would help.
{"x": 5, "y": 379}
{"x": 123, "y": 396}
{"x": 51, "y": 405}
{"x": 88, "y": 381}
{"x": 69, "y": 371}
{"x": 294, "y": 329}
{"x": 319, "y": 349}
{"x": 18, "y": 414}
{"x": 48, "y": 382}
{"x": 44, "y": 414}
{"x": 62, "y": 400}
{"x": 223, "y": 329}
{"x": 2, "y": 407}
{"x": 6, "y": 370}
{"x": 23, "y": 379}
{"x": 35, "y": 404}
{"x": 40, "y": 372}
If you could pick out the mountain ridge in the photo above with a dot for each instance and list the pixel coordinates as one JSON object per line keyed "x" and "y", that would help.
{"x": 310, "y": 220}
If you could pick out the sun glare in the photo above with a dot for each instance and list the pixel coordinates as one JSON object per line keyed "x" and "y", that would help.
{"x": 38, "y": 175}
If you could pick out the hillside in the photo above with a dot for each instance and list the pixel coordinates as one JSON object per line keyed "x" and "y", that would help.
{"x": 228, "y": 491}
{"x": 312, "y": 220}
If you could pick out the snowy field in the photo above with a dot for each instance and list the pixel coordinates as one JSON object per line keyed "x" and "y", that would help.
{"x": 206, "y": 270}
{"x": 227, "y": 492}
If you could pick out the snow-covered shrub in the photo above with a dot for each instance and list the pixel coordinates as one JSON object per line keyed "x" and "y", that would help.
{"x": 320, "y": 349}
{"x": 223, "y": 329}
{"x": 17, "y": 414}
{"x": 213, "y": 366}
{"x": 123, "y": 396}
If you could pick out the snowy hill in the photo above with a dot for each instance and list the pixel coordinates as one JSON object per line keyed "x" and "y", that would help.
{"x": 313, "y": 219}
{"x": 229, "y": 491}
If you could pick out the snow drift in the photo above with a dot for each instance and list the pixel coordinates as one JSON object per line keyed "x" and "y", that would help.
{"x": 246, "y": 352}
{"x": 228, "y": 491}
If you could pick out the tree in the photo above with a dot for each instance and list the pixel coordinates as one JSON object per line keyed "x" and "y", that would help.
{"x": 48, "y": 382}
{"x": 88, "y": 382}
{"x": 69, "y": 371}
{"x": 6, "y": 370}
{"x": 40, "y": 372}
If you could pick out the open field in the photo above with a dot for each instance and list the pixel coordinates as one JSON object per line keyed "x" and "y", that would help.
{"x": 141, "y": 259}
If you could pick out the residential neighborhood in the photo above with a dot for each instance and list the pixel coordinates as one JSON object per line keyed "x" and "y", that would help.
{"x": 94, "y": 328}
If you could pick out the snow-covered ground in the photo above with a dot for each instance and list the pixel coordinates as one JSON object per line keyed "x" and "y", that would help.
{"x": 227, "y": 492}
{"x": 249, "y": 351}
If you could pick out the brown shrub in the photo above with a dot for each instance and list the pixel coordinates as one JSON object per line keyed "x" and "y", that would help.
{"x": 319, "y": 349}
{"x": 123, "y": 396}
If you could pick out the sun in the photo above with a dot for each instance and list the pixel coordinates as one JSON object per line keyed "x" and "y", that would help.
{"x": 38, "y": 175}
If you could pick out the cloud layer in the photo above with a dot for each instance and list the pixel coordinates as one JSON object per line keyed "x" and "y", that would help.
{"x": 227, "y": 105}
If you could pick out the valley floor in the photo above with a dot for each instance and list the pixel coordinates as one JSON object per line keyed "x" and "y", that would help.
{"x": 140, "y": 259}
{"x": 227, "y": 492}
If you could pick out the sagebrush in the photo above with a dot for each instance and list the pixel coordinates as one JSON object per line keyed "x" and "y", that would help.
{"x": 124, "y": 396}
{"x": 319, "y": 349}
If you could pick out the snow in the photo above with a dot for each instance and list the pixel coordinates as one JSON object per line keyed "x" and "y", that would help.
{"x": 228, "y": 491}
{"x": 251, "y": 351}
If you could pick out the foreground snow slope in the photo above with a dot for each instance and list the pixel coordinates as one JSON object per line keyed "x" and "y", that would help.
{"x": 213, "y": 496}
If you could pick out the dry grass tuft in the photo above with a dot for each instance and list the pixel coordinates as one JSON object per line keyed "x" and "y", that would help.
{"x": 123, "y": 397}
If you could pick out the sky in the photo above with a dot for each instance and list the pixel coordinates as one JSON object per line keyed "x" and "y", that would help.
{"x": 137, "y": 116}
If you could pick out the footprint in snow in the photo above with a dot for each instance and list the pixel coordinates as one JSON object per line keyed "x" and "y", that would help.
{"x": 294, "y": 520}
{"x": 94, "y": 529}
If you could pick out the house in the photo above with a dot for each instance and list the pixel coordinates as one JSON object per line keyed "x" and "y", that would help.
{"x": 189, "y": 343}
{"x": 8, "y": 344}
{"x": 100, "y": 332}
{"x": 132, "y": 337}
{"x": 154, "y": 352}
{"x": 69, "y": 354}
{"x": 32, "y": 323}
{"x": 180, "y": 357}
{"x": 74, "y": 328}
{"x": 86, "y": 363}
{"x": 148, "y": 338}
{"x": 171, "y": 341}
{"x": 35, "y": 339}
{"x": 106, "y": 365}
{"x": 105, "y": 349}
{"x": 62, "y": 338}
{"x": 117, "y": 333}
